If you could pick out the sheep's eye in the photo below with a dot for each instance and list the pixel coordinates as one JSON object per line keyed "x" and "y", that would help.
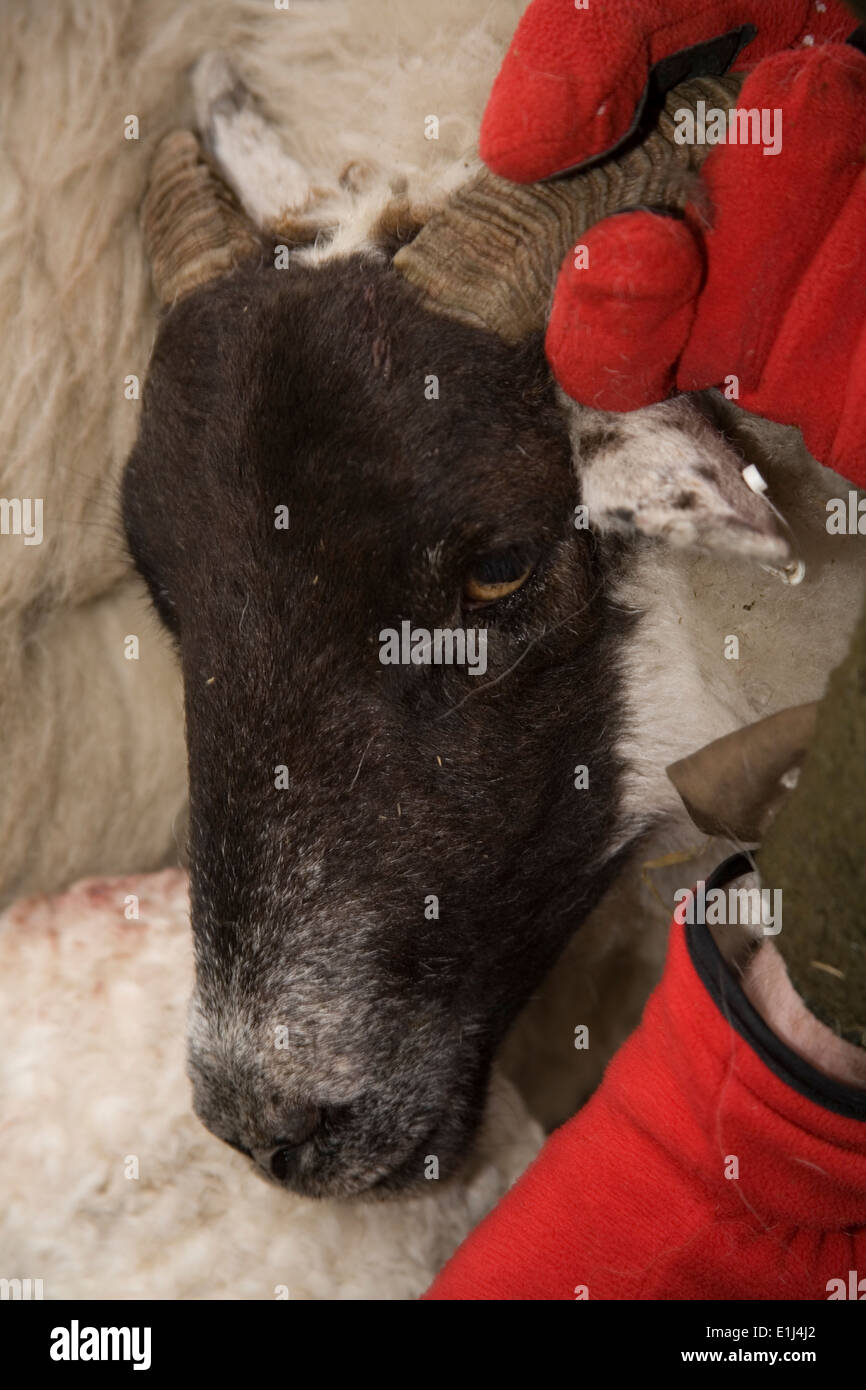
{"x": 497, "y": 574}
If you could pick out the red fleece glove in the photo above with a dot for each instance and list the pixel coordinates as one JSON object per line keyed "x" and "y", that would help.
{"x": 574, "y": 80}
{"x": 773, "y": 292}
{"x": 709, "y": 1164}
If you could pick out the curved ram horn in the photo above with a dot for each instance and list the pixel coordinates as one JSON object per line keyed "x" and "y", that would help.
{"x": 490, "y": 256}
{"x": 193, "y": 228}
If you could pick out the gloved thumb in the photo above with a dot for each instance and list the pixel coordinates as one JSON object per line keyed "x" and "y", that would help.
{"x": 623, "y": 309}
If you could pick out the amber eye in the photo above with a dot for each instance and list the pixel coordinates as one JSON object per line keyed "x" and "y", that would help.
{"x": 497, "y": 574}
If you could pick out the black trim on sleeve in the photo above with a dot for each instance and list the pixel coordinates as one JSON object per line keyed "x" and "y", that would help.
{"x": 727, "y": 994}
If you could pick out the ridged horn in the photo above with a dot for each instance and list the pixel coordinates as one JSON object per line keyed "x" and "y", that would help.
{"x": 490, "y": 256}
{"x": 193, "y": 228}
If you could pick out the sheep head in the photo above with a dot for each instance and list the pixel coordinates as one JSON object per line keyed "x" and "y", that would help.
{"x": 338, "y": 799}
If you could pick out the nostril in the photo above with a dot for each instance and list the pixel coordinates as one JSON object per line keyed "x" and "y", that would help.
{"x": 280, "y": 1164}
{"x": 299, "y": 1126}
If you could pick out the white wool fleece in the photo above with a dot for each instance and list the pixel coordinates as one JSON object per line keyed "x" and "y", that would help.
{"x": 113, "y": 1189}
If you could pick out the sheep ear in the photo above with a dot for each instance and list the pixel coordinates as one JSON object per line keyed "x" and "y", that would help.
{"x": 243, "y": 145}
{"x": 666, "y": 471}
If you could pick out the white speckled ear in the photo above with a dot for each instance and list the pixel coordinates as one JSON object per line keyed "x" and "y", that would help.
{"x": 666, "y": 471}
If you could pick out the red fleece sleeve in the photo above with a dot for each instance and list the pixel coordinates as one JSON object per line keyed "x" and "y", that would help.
{"x": 711, "y": 1163}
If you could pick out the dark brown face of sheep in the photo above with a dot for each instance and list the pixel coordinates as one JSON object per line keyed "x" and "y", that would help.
{"x": 385, "y": 858}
